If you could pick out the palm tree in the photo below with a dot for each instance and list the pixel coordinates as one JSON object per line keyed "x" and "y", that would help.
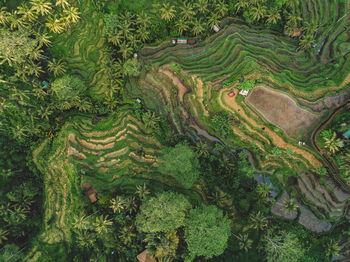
{"x": 273, "y": 16}
{"x": 221, "y": 8}
{"x": 16, "y": 22}
{"x": 201, "y": 149}
{"x": 244, "y": 242}
{"x": 167, "y": 12}
{"x": 45, "y": 112}
{"x": 310, "y": 28}
{"x": 345, "y": 164}
{"x": 213, "y": 19}
{"x": 125, "y": 49}
{"x": 19, "y": 132}
{"x": 3, "y": 236}
{"x": 72, "y": 14}
{"x": 142, "y": 191}
{"x": 307, "y": 41}
{"x": 289, "y": 205}
{"x": 81, "y": 222}
{"x": 333, "y": 248}
{"x": 57, "y": 67}
{"x": 117, "y": 204}
{"x": 258, "y": 12}
{"x": 133, "y": 40}
{"x": 33, "y": 69}
{"x": 263, "y": 190}
{"x": 201, "y": 6}
{"x": 130, "y": 205}
{"x": 187, "y": 12}
{"x": 143, "y": 34}
{"x": 143, "y": 19}
{"x": 333, "y": 144}
{"x": 181, "y": 25}
{"x": 293, "y": 19}
{"x": 5, "y": 16}
{"x": 36, "y": 54}
{"x": 86, "y": 239}
{"x": 40, "y": 6}
{"x": 241, "y": 4}
{"x": 116, "y": 38}
{"x": 43, "y": 38}
{"x": 258, "y": 221}
{"x": 28, "y": 14}
{"x": 55, "y": 25}
{"x": 102, "y": 224}
{"x": 150, "y": 120}
{"x": 197, "y": 27}
{"x": 84, "y": 105}
{"x": 63, "y": 3}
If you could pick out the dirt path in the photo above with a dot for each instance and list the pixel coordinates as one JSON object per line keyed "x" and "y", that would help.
{"x": 229, "y": 104}
{"x": 177, "y": 82}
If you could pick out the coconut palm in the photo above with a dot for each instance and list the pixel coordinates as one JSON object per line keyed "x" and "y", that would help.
{"x": 19, "y": 132}
{"x": 333, "y": 144}
{"x": 55, "y": 25}
{"x": 116, "y": 38}
{"x": 221, "y": 8}
{"x": 197, "y": 27}
{"x": 125, "y": 28}
{"x": 86, "y": 239}
{"x": 57, "y": 67}
{"x": 345, "y": 164}
{"x": 45, "y": 112}
{"x": 72, "y": 14}
{"x": 257, "y": 221}
{"x": 273, "y": 16}
{"x": 214, "y": 19}
{"x": 28, "y": 14}
{"x": 16, "y": 22}
{"x": 117, "y": 204}
{"x": 181, "y": 25}
{"x": 36, "y": 54}
{"x": 3, "y": 235}
{"x": 125, "y": 49}
{"x": 84, "y": 105}
{"x": 142, "y": 191}
{"x": 293, "y": 19}
{"x": 310, "y": 28}
{"x": 33, "y": 69}
{"x": 143, "y": 19}
{"x": 62, "y": 3}
{"x": 41, "y": 6}
{"x": 150, "y": 120}
{"x": 5, "y": 16}
{"x": 263, "y": 190}
{"x": 244, "y": 242}
{"x": 307, "y": 41}
{"x": 187, "y": 11}
{"x": 258, "y": 12}
{"x": 167, "y": 11}
{"x": 133, "y": 40}
{"x": 289, "y": 205}
{"x": 201, "y": 6}
{"x": 201, "y": 149}
{"x": 332, "y": 248}
{"x": 130, "y": 205}
{"x": 43, "y": 38}
{"x": 81, "y": 222}
{"x": 102, "y": 224}
{"x": 143, "y": 33}
{"x": 241, "y": 4}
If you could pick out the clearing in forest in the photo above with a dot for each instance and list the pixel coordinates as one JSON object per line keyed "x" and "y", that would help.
{"x": 281, "y": 110}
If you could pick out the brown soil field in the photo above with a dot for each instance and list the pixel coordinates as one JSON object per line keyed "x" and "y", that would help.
{"x": 281, "y": 110}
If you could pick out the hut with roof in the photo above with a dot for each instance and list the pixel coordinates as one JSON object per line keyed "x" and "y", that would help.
{"x": 145, "y": 257}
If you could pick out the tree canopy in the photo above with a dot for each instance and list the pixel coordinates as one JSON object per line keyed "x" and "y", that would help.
{"x": 182, "y": 162}
{"x": 207, "y": 231}
{"x": 163, "y": 213}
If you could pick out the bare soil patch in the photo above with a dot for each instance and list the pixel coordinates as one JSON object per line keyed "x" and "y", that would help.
{"x": 281, "y": 110}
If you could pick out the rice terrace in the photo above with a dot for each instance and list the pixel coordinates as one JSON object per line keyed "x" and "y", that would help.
{"x": 170, "y": 130}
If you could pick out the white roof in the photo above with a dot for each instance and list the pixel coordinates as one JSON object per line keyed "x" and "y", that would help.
{"x": 216, "y": 28}
{"x": 244, "y": 92}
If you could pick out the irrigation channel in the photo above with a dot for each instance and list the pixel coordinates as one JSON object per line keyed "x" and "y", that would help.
{"x": 331, "y": 165}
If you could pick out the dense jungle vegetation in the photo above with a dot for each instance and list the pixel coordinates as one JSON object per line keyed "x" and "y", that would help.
{"x": 75, "y": 77}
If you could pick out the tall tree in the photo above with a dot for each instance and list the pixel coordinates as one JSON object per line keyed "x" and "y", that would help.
{"x": 257, "y": 221}
{"x": 207, "y": 231}
{"x": 258, "y": 12}
{"x": 187, "y": 11}
{"x": 333, "y": 144}
{"x": 57, "y": 67}
{"x": 41, "y": 6}
{"x": 182, "y": 162}
{"x": 197, "y": 27}
{"x": 167, "y": 11}
{"x": 244, "y": 242}
{"x": 71, "y": 14}
{"x": 163, "y": 213}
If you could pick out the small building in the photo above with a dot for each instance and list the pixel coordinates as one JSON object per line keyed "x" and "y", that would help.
{"x": 135, "y": 55}
{"x": 90, "y": 192}
{"x": 216, "y": 28}
{"x": 182, "y": 41}
{"x": 145, "y": 257}
{"x": 244, "y": 92}
{"x": 347, "y": 134}
{"x": 173, "y": 41}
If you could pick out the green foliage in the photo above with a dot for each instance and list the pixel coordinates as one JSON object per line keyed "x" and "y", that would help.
{"x": 222, "y": 124}
{"x": 182, "y": 162}
{"x": 246, "y": 85}
{"x": 283, "y": 247}
{"x": 207, "y": 231}
{"x": 163, "y": 213}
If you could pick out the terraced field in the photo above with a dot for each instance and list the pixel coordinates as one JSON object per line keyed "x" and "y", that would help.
{"x": 189, "y": 84}
{"x": 83, "y": 46}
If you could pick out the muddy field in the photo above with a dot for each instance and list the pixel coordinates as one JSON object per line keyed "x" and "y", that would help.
{"x": 281, "y": 110}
